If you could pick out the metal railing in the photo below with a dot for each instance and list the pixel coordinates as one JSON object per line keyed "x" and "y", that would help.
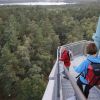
{"x": 53, "y": 89}
{"x": 78, "y": 48}
{"x": 78, "y": 94}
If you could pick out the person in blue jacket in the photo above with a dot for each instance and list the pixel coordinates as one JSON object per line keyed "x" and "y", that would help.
{"x": 92, "y": 56}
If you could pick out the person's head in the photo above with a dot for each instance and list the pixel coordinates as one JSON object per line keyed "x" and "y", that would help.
{"x": 63, "y": 49}
{"x": 91, "y": 49}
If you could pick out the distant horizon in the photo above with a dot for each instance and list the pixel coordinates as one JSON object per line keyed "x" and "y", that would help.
{"x": 38, "y": 3}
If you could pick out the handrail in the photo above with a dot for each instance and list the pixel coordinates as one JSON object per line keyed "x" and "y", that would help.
{"x": 58, "y": 74}
{"x": 48, "y": 95}
{"x": 52, "y": 75}
{"x": 51, "y": 91}
{"x": 78, "y": 93}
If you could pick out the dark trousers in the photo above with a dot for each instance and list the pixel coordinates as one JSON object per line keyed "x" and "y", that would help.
{"x": 86, "y": 89}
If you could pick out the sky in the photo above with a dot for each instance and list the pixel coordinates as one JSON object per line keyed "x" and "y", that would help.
{"x": 18, "y": 1}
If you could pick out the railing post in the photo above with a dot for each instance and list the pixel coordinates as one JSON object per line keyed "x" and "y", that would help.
{"x": 58, "y": 74}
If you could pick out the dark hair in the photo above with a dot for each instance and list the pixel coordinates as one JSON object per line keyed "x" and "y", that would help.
{"x": 91, "y": 49}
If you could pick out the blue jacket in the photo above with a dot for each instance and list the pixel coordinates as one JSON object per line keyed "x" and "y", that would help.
{"x": 84, "y": 65}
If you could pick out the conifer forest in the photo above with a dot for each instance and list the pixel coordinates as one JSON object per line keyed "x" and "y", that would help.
{"x": 29, "y": 37}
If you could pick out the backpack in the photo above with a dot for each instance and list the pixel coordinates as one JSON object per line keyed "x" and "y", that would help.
{"x": 69, "y": 55}
{"x": 93, "y": 74}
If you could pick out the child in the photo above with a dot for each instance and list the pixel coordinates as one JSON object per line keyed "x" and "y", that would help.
{"x": 64, "y": 56}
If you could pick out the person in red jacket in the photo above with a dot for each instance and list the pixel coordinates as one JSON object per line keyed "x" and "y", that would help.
{"x": 64, "y": 56}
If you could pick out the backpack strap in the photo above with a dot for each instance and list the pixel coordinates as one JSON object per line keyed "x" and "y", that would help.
{"x": 68, "y": 54}
{"x": 78, "y": 75}
{"x": 81, "y": 74}
{"x": 90, "y": 61}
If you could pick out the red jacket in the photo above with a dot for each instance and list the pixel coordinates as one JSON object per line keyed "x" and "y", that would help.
{"x": 65, "y": 58}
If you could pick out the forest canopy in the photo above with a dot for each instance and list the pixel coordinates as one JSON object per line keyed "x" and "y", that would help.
{"x": 29, "y": 37}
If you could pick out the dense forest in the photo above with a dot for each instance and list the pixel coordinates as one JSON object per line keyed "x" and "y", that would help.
{"x": 29, "y": 37}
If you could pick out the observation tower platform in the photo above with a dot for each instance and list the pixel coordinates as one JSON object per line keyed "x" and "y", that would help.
{"x": 59, "y": 88}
